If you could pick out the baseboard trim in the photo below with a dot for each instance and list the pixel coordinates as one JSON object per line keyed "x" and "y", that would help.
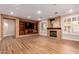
{"x": 69, "y": 39}
{"x": 27, "y": 35}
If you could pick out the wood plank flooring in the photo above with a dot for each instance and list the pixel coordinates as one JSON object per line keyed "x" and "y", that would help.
{"x": 37, "y": 45}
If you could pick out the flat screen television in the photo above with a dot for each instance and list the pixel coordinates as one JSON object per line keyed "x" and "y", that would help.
{"x": 29, "y": 25}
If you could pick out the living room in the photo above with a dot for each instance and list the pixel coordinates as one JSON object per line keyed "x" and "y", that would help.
{"x": 39, "y": 28}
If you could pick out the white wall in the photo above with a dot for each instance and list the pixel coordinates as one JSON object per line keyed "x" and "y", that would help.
{"x": 69, "y": 36}
{"x": 43, "y": 31}
{"x": 8, "y": 28}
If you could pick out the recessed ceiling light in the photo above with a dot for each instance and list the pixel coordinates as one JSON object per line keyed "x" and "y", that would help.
{"x": 11, "y": 13}
{"x": 50, "y": 16}
{"x": 38, "y": 19}
{"x": 70, "y": 11}
{"x": 29, "y": 17}
{"x": 39, "y": 12}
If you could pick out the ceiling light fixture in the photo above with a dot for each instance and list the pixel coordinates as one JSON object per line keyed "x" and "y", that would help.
{"x": 29, "y": 17}
{"x": 39, "y": 12}
{"x": 11, "y": 13}
{"x": 38, "y": 19}
{"x": 70, "y": 11}
{"x": 50, "y": 16}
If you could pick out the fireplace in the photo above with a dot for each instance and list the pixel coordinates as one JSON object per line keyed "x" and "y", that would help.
{"x": 54, "y": 28}
{"x": 53, "y": 33}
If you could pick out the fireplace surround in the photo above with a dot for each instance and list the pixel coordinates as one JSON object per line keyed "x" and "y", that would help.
{"x": 54, "y": 28}
{"x": 54, "y": 33}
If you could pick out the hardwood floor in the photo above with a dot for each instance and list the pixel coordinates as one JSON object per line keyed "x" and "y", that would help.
{"x": 37, "y": 45}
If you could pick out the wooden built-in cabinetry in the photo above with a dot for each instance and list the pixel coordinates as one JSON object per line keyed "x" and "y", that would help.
{"x": 24, "y": 31}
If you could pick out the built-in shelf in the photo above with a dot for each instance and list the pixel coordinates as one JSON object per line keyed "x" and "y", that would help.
{"x": 28, "y": 27}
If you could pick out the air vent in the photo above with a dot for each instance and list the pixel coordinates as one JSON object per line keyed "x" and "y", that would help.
{"x": 54, "y": 4}
{"x": 55, "y": 12}
{"x": 41, "y": 17}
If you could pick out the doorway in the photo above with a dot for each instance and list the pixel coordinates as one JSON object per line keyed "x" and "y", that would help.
{"x": 9, "y": 28}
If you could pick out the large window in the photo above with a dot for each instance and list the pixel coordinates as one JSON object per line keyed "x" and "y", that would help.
{"x": 71, "y": 25}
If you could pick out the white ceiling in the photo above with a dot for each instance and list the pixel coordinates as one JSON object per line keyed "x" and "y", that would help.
{"x": 47, "y": 10}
